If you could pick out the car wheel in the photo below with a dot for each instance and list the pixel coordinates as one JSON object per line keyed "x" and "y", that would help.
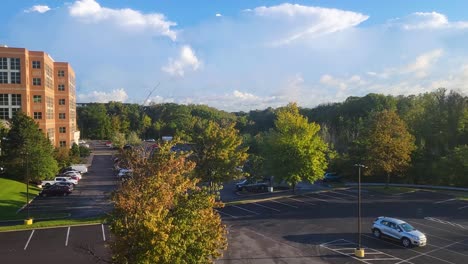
{"x": 405, "y": 242}
{"x": 376, "y": 233}
{"x": 47, "y": 184}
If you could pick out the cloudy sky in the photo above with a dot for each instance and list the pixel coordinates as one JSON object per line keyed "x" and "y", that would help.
{"x": 246, "y": 54}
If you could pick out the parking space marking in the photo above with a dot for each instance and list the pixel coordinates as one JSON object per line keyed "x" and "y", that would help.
{"x": 433, "y": 227}
{"x": 27, "y": 243}
{"x": 409, "y": 249}
{"x": 437, "y": 249}
{"x": 293, "y": 206}
{"x": 297, "y": 200}
{"x": 445, "y": 222}
{"x": 68, "y": 234}
{"x": 444, "y": 201}
{"x": 443, "y": 248}
{"x": 233, "y": 216}
{"x": 235, "y": 206}
{"x": 463, "y": 207}
{"x": 345, "y": 194}
{"x": 345, "y": 251}
{"x": 305, "y": 195}
{"x": 334, "y": 197}
{"x": 271, "y": 208}
{"x": 103, "y": 233}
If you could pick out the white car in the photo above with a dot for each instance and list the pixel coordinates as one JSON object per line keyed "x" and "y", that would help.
{"x": 399, "y": 230}
{"x": 72, "y": 173}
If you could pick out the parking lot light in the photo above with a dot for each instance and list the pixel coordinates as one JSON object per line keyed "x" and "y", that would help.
{"x": 359, "y": 251}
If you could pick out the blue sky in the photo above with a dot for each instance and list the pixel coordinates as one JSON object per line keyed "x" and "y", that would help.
{"x": 246, "y": 54}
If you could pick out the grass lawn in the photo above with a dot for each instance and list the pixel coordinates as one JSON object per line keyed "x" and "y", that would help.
{"x": 13, "y": 197}
{"x": 54, "y": 223}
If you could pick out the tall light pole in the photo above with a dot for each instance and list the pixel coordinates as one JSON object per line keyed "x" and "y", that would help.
{"x": 27, "y": 183}
{"x": 359, "y": 252}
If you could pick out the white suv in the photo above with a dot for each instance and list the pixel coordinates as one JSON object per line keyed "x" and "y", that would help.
{"x": 398, "y": 229}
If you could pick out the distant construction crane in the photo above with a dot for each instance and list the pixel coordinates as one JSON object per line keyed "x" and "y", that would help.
{"x": 154, "y": 89}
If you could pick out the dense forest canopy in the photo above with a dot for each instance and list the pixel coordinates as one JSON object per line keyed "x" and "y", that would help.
{"x": 438, "y": 121}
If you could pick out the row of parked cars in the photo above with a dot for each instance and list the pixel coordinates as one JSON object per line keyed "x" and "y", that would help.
{"x": 64, "y": 183}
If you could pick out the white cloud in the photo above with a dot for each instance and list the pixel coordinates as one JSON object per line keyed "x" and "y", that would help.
{"x": 218, "y": 15}
{"x": 423, "y": 63}
{"x": 342, "y": 84}
{"x": 119, "y": 95}
{"x": 91, "y": 11}
{"x": 427, "y": 20}
{"x": 187, "y": 60}
{"x": 38, "y": 8}
{"x": 308, "y": 20}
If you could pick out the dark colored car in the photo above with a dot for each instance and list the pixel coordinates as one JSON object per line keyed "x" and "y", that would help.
{"x": 55, "y": 190}
{"x": 331, "y": 177}
{"x": 67, "y": 184}
{"x": 251, "y": 185}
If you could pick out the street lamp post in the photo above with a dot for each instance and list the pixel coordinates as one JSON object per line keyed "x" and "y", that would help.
{"x": 359, "y": 252}
{"x": 27, "y": 184}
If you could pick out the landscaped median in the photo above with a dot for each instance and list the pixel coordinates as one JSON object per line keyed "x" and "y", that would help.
{"x": 54, "y": 223}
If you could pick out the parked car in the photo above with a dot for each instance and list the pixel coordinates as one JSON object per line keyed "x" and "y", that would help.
{"x": 252, "y": 185}
{"x": 125, "y": 173}
{"x": 331, "y": 177}
{"x": 58, "y": 179}
{"x": 72, "y": 174}
{"x": 55, "y": 190}
{"x": 68, "y": 184}
{"x": 399, "y": 230}
{"x": 81, "y": 168}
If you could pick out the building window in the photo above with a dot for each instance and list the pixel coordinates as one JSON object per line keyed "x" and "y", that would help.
{"x": 36, "y": 81}
{"x": 61, "y": 101}
{"x": 61, "y": 87}
{"x": 61, "y": 115}
{"x": 37, "y": 99}
{"x": 14, "y": 63}
{"x": 3, "y": 99}
{"x": 16, "y": 77}
{"x": 9, "y": 105}
{"x": 37, "y": 115}
{"x": 4, "y": 113}
{"x": 36, "y": 64}
{"x": 16, "y": 99}
{"x": 3, "y": 77}
{"x": 61, "y": 73}
{"x": 62, "y": 129}
{"x": 63, "y": 143}
{"x": 3, "y": 64}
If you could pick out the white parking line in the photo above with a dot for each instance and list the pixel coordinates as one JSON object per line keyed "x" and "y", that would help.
{"x": 444, "y": 201}
{"x": 433, "y": 227}
{"x": 334, "y": 197}
{"x": 409, "y": 249}
{"x": 463, "y": 207}
{"x": 27, "y": 243}
{"x": 305, "y": 195}
{"x": 233, "y": 216}
{"x": 386, "y": 257}
{"x": 297, "y": 200}
{"x": 354, "y": 196}
{"x": 444, "y": 222}
{"x": 235, "y": 206}
{"x": 293, "y": 206}
{"x": 103, "y": 233}
{"x": 437, "y": 249}
{"x": 68, "y": 234}
{"x": 261, "y": 205}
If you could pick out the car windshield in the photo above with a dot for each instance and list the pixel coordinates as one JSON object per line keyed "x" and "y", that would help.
{"x": 407, "y": 227}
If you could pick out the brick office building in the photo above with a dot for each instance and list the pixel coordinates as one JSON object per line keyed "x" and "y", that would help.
{"x": 31, "y": 81}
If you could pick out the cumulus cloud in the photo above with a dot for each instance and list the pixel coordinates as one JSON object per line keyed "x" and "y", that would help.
{"x": 38, "y": 8}
{"x": 427, "y": 20}
{"x": 308, "y": 20}
{"x": 118, "y": 95}
{"x": 92, "y": 12}
{"x": 187, "y": 60}
{"x": 423, "y": 63}
{"x": 342, "y": 84}
{"x": 218, "y": 15}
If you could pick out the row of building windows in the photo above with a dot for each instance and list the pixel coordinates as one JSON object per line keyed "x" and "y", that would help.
{"x": 14, "y": 64}
{"x": 38, "y": 99}
{"x": 38, "y": 115}
{"x": 10, "y": 99}
{"x": 14, "y": 77}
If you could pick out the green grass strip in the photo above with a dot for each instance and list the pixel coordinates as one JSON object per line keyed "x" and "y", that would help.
{"x": 54, "y": 223}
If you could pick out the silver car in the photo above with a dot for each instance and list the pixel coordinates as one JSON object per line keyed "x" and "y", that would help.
{"x": 398, "y": 229}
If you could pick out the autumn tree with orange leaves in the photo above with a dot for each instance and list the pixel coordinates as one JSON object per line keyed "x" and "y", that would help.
{"x": 161, "y": 216}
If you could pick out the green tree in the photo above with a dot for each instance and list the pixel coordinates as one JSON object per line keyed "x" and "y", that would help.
{"x": 218, "y": 151}
{"x": 388, "y": 144}
{"x": 133, "y": 138}
{"x": 74, "y": 154}
{"x": 118, "y": 140}
{"x": 294, "y": 151}
{"x": 27, "y": 147}
{"x": 161, "y": 216}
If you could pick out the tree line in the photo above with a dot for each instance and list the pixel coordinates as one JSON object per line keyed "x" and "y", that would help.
{"x": 435, "y": 146}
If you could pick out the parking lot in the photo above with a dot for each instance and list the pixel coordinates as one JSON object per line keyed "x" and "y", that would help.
{"x": 79, "y": 244}
{"x": 322, "y": 228}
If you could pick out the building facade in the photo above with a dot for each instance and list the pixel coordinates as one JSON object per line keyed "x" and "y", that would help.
{"x": 31, "y": 81}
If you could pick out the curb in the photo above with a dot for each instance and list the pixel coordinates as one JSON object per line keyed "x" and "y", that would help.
{"x": 37, "y": 219}
{"x": 430, "y": 187}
